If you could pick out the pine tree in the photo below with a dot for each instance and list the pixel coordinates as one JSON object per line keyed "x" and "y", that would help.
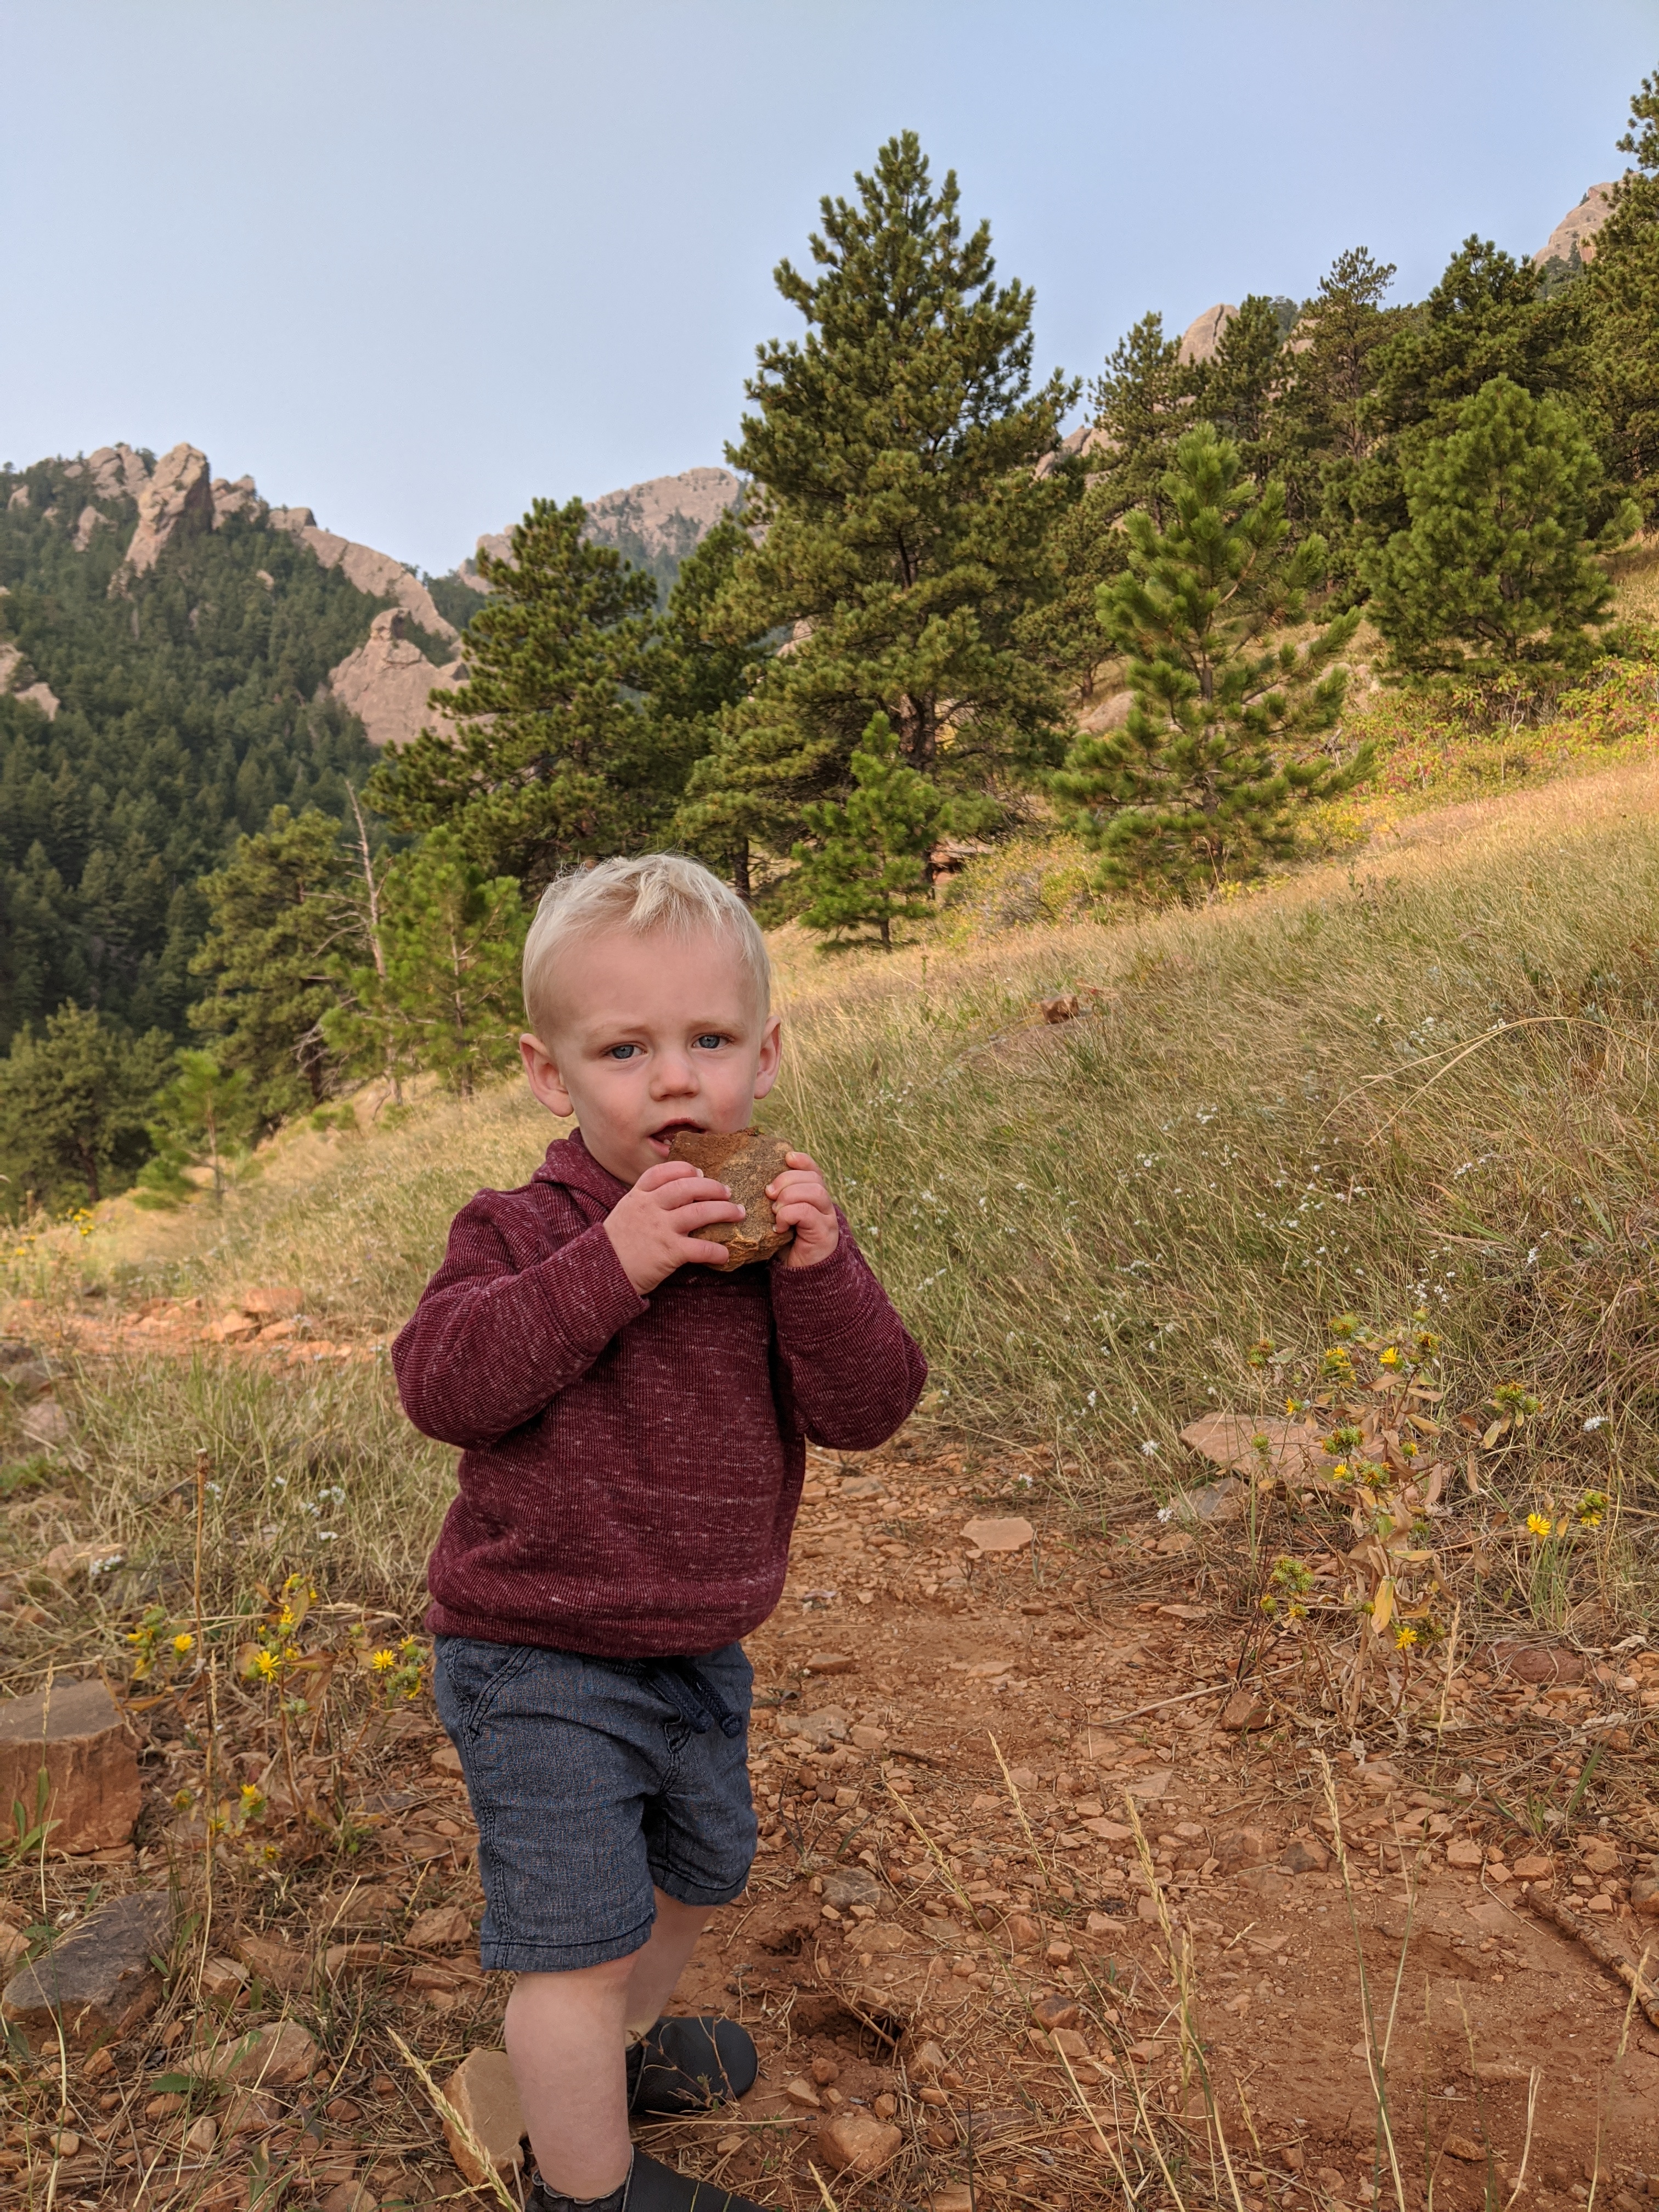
{"x": 700, "y": 672}
{"x": 867, "y": 864}
{"x": 1486, "y": 316}
{"x": 1498, "y": 579}
{"x": 1202, "y": 781}
{"x": 1142, "y": 404}
{"x": 73, "y": 1107}
{"x": 1237, "y": 386}
{"x": 278, "y": 910}
{"x": 1320, "y": 434}
{"x": 1062, "y": 632}
{"x": 204, "y": 1118}
{"x": 445, "y": 997}
{"x": 551, "y": 756}
{"x": 1619, "y": 297}
{"x": 894, "y": 451}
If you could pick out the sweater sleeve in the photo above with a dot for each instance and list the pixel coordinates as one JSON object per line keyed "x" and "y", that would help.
{"x": 855, "y": 1370}
{"x": 491, "y": 1345}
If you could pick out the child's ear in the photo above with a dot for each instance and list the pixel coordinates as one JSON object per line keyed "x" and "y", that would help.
{"x": 771, "y": 1053}
{"x": 545, "y": 1080}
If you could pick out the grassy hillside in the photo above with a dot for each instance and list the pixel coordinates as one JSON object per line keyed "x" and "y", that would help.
{"x": 1419, "y": 1091}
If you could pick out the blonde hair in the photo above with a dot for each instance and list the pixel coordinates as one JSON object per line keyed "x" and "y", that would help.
{"x": 657, "y": 893}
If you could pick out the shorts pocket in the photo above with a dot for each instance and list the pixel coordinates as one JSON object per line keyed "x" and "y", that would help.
{"x": 470, "y": 1676}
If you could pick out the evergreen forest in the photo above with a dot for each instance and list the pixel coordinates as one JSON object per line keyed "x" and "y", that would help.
{"x": 219, "y": 908}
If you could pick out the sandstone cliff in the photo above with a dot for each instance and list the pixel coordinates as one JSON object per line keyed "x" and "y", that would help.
{"x": 377, "y": 573}
{"x": 655, "y": 524}
{"x": 386, "y": 681}
{"x": 1577, "y": 229}
{"x": 1201, "y": 336}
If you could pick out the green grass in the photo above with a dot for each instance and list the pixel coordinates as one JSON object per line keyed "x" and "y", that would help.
{"x": 1274, "y": 1111}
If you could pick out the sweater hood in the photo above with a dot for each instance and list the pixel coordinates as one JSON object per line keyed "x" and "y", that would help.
{"x": 569, "y": 1163}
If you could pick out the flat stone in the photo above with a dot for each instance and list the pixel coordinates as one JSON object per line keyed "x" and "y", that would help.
{"x": 1243, "y": 1711}
{"x": 745, "y": 1160}
{"x": 76, "y": 1732}
{"x": 1053, "y": 2012}
{"x": 853, "y": 1886}
{"x": 1464, "y": 1851}
{"x": 442, "y": 1925}
{"x": 97, "y": 1979}
{"x": 1010, "y": 1533}
{"x": 279, "y": 1966}
{"x": 858, "y": 2142}
{"x": 276, "y": 2056}
{"x": 830, "y": 1663}
{"x": 372, "y": 1904}
{"x": 1533, "y": 1868}
{"x": 829, "y": 1726}
{"x": 485, "y": 2099}
{"x": 1243, "y": 1847}
{"x": 1465, "y": 2148}
{"x": 879, "y": 1937}
{"x": 1645, "y": 1896}
{"x": 1304, "y": 1854}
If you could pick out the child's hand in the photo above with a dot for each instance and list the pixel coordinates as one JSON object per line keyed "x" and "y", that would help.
{"x": 654, "y": 1228}
{"x": 800, "y": 1202}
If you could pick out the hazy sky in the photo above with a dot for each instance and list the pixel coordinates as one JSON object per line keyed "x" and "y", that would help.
{"x": 411, "y": 264}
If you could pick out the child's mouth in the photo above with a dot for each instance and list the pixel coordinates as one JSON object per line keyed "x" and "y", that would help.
{"x": 661, "y": 1140}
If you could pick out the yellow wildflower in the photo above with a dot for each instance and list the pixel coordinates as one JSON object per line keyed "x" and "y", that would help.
{"x": 1405, "y": 1638}
{"x": 1538, "y": 1524}
{"x": 383, "y": 1660}
{"x": 183, "y": 1642}
{"x": 264, "y": 1665}
{"x": 1388, "y": 1358}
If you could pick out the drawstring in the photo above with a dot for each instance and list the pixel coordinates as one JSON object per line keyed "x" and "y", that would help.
{"x": 694, "y": 1697}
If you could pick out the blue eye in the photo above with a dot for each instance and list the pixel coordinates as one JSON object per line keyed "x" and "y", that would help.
{"x": 710, "y": 1040}
{"x": 621, "y": 1051}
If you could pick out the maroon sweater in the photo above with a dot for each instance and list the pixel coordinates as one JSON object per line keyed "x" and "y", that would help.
{"x": 632, "y": 1466}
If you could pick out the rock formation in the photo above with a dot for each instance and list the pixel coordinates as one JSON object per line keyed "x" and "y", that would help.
{"x": 377, "y": 573}
{"x": 1200, "y": 338}
{"x": 663, "y": 517}
{"x": 385, "y": 683}
{"x": 1577, "y": 229}
{"x": 178, "y": 498}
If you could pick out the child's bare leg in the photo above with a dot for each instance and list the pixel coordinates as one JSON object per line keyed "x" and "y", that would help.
{"x": 566, "y": 2035}
{"x": 660, "y": 1965}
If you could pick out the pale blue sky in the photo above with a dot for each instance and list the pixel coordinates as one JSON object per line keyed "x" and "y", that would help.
{"x": 413, "y": 264}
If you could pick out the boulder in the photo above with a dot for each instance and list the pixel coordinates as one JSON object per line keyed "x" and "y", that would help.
{"x": 388, "y": 682}
{"x": 75, "y": 1731}
{"x": 178, "y": 499}
{"x": 857, "y": 2143}
{"x": 1202, "y": 335}
{"x": 98, "y": 1979}
{"x": 483, "y": 2136}
{"x": 87, "y": 522}
{"x": 116, "y": 471}
{"x": 277, "y": 2056}
{"x": 241, "y": 497}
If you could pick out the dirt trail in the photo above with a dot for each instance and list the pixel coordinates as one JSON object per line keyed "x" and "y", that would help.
{"x": 950, "y": 1913}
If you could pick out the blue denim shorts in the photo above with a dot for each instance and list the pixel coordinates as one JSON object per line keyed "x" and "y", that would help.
{"x": 589, "y": 1787}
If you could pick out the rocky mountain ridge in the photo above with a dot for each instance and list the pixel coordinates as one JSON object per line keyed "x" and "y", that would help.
{"x": 385, "y": 681}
